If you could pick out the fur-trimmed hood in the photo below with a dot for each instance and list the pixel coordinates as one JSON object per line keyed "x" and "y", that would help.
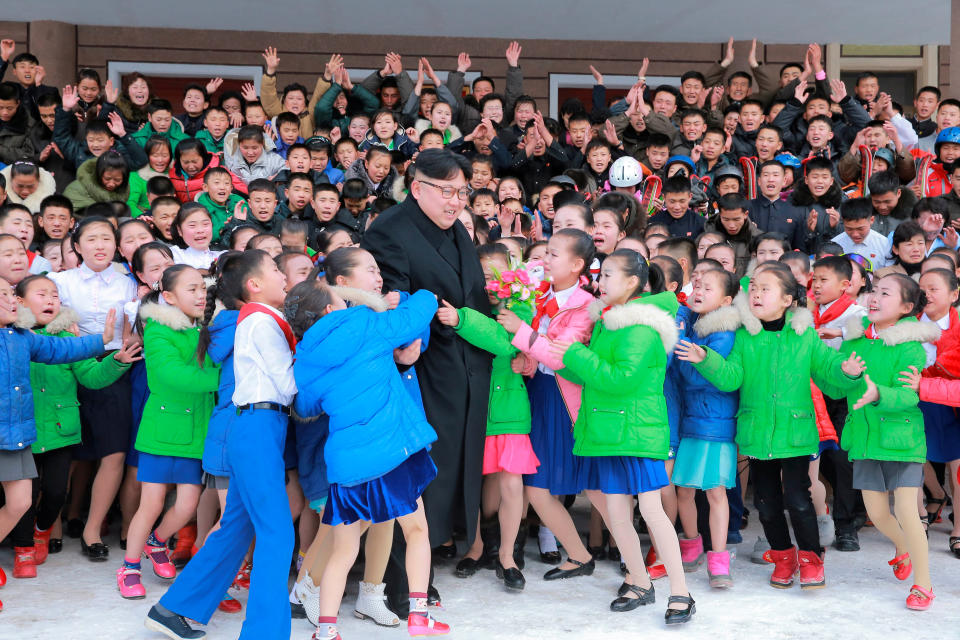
{"x": 47, "y": 187}
{"x": 722, "y": 319}
{"x": 66, "y": 317}
{"x": 799, "y": 318}
{"x": 907, "y": 330}
{"x": 642, "y": 311}
{"x": 356, "y": 296}
{"x": 167, "y": 315}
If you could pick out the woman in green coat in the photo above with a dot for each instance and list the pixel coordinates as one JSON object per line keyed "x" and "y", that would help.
{"x": 103, "y": 179}
{"x": 622, "y": 432}
{"x": 56, "y": 412}
{"x": 884, "y": 433}
{"x": 775, "y": 354}
{"x": 174, "y": 423}
{"x": 507, "y": 451}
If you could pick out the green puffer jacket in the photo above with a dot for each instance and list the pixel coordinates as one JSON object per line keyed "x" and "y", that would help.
{"x": 174, "y": 134}
{"x": 175, "y": 417}
{"x": 55, "y": 405}
{"x": 87, "y": 190}
{"x": 624, "y": 412}
{"x": 891, "y": 429}
{"x": 509, "y": 406}
{"x": 212, "y": 145}
{"x": 773, "y": 370}
{"x": 219, "y": 214}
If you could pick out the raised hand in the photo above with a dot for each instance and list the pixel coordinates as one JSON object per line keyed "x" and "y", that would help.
{"x": 386, "y": 66}
{"x": 271, "y": 59}
{"x": 115, "y": 124}
{"x": 463, "y": 62}
{"x": 132, "y": 348}
{"x": 345, "y": 80}
{"x": 110, "y": 92}
{"x": 333, "y": 66}
{"x": 812, "y": 220}
{"x": 110, "y": 326}
{"x": 213, "y": 85}
{"x": 816, "y": 57}
{"x": 807, "y": 65}
{"x": 911, "y": 378}
{"x": 513, "y": 54}
{"x": 70, "y": 98}
{"x": 396, "y": 63}
{"x": 447, "y": 314}
{"x": 597, "y": 76}
{"x": 249, "y": 92}
{"x": 800, "y": 93}
{"x": 335, "y": 135}
{"x": 239, "y": 211}
{"x": 950, "y": 237}
{"x": 509, "y": 320}
{"x": 717, "y": 96}
{"x": 428, "y": 69}
{"x": 610, "y": 133}
{"x": 39, "y": 74}
{"x": 728, "y": 57}
{"x": 7, "y": 47}
{"x": 644, "y": 65}
{"x": 871, "y": 395}
{"x": 752, "y": 58}
{"x": 854, "y": 365}
{"x": 838, "y": 90}
{"x": 409, "y": 354}
{"x": 236, "y": 120}
{"x": 695, "y": 152}
{"x": 834, "y": 217}
{"x": 689, "y": 352}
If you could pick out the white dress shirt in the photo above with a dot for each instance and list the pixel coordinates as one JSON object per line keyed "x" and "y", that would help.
{"x": 94, "y": 293}
{"x": 929, "y": 347}
{"x": 875, "y": 247}
{"x": 194, "y": 257}
{"x": 262, "y": 362}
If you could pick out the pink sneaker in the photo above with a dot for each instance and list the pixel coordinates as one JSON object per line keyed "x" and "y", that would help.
{"x": 161, "y": 562}
{"x": 691, "y": 553}
{"x": 718, "y": 569}
{"x": 425, "y": 625}
{"x": 128, "y": 582}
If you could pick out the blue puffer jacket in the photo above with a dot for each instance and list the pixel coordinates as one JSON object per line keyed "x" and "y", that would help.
{"x": 222, "y": 329}
{"x": 18, "y": 348}
{"x": 345, "y": 369}
{"x": 708, "y": 413}
{"x": 671, "y": 390}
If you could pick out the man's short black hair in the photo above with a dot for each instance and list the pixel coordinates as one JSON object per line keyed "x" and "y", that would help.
{"x": 732, "y": 201}
{"x": 791, "y": 65}
{"x": 442, "y": 164}
{"x": 929, "y": 89}
{"x": 883, "y": 182}
{"x": 193, "y": 86}
{"x": 839, "y": 265}
{"x": 740, "y": 74}
{"x": 856, "y": 209}
{"x": 658, "y": 140}
{"x": 24, "y": 57}
{"x": 677, "y": 184}
{"x": 483, "y": 79}
{"x": 693, "y": 75}
{"x": 866, "y": 75}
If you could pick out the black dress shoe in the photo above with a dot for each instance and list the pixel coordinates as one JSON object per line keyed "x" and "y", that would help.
{"x": 467, "y": 567}
{"x": 582, "y": 569}
{"x": 847, "y": 541}
{"x": 445, "y": 552}
{"x": 170, "y": 624}
{"x": 598, "y": 553}
{"x": 96, "y": 552}
{"x": 644, "y": 596}
{"x": 74, "y": 528}
{"x": 399, "y": 604}
{"x": 679, "y": 616}
{"x": 512, "y": 578}
{"x": 55, "y": 545}
{"x": 551, "y": 557}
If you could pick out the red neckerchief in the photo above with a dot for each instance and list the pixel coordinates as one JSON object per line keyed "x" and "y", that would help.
{"x": 546, "y": 304}
{"x": 871, "y": 332}
{"x": 30, "y": 257}
{"x": 250, "y": 308}
{"x": 682, "y": 298}
{"x": 834, "y": 311}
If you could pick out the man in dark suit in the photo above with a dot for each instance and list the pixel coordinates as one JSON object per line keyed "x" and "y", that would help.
{"x": 419, "y": 244}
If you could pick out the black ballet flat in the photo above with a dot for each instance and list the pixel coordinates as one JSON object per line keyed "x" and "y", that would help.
{"x": 679, "y": 616}
{"x": 512, "y": 578}
{"x": 644, "y": 596}
{"x": 551, "y": 557}
{"x": 582, "y": 569}
{"x": 74, "y": 528}
{"x": 445, "y": 552}
{"x": 96, "y": 552}
{"x": 55, "y": 545}
{"x": 598, "y": 553}
{"x": 467, "y": 567}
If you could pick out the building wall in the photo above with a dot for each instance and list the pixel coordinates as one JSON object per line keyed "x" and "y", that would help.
{"x": 302, "y": 56}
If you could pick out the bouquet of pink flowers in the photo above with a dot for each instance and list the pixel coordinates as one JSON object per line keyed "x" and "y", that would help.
{"x": 517, "y": 288}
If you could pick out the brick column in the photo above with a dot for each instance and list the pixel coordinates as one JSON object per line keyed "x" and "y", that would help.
{"x": 55, "y": 43}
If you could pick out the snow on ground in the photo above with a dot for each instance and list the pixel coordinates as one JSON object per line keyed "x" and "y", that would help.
{"x": 73, "y": 599}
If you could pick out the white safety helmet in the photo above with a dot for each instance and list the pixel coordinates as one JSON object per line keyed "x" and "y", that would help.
{"x": 625, "y": 172}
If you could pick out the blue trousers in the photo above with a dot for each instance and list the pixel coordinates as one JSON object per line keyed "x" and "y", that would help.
{"x": 256, "y": 506}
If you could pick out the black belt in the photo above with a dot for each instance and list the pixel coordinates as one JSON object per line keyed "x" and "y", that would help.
{"x": 285, "y": 410}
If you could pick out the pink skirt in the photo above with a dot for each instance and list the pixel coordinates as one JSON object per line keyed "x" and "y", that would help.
{"x": 510, "y": 452}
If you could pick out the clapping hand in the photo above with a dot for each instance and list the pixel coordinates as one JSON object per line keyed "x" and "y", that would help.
{"x": 871, "y": 395}
{"x": 854, "y": 365}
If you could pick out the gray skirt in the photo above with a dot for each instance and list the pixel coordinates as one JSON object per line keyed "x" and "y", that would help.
{"x": 885, "y": 475}
{"x": 17, "y": 465}
{"x": 211, "y": 481}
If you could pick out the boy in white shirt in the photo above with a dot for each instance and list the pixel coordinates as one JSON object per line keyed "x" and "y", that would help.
{"x": 858, "y": 237}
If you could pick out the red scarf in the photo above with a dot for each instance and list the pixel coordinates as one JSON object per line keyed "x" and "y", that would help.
{"x": 871, "y": 332}
{"x": 251, "y": 308}
{"x": 833, "y": 312}
{"x": 546, "y": 305}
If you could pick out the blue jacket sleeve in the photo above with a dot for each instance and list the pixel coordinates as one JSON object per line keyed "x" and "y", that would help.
{"x": 53, "y": 350}
{"x": 405, "y": 323}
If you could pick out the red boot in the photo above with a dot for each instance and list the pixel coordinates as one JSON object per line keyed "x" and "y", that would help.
{"x": 784, "y": 569}
{"x": 3, "y": 577}
{"x": 41, "y": 545}
{"x": 811, "y": 570}
{"x": 24, "y": 564}
{"x": 183, "y": 551}
{"x": 655, "y": 567}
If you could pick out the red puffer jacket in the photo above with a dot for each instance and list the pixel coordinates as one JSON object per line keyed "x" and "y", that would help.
{"x": 188, "y": 187}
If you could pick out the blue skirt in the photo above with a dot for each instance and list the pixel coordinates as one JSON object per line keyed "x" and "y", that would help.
{"x": 138, "y": 400}
{"x": 705, "y": 464}
{"x": 551, "y": 436}
{"x": 169, "y": 469}
{"x": 943, "y": 432}
{"x": 390, "y": 496}
{"x": 622, "y": 474}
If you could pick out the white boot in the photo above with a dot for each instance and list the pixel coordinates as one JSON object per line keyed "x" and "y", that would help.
{"x": 309, "y": 596}
{"x": 826, "y": 529}
{"x": 372, "y": 604}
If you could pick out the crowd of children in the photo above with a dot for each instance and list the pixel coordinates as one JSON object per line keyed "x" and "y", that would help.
{"x": 742, "y": 286}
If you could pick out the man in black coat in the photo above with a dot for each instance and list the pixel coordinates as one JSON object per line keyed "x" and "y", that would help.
{"x": 419, "y": 244}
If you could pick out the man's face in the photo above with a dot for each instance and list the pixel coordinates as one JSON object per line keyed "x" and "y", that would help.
{"x": 925, "y": 104}
{"x": 298, "y": 161}
{"x": 858, "y": 229}
{"x": 355, "y": 205}
{"x": 522, "y": 114}
{"x": 443, "y": 212}
{"x": 751, "y": 117}
{"x": 658, "y": 156}
{"x": 481, "y": 88}
{"x": 25, "y": 72}
{"x": 98, "y": 143}
{"x": 739, "y": 89}
{"x": 727, "y": 185}
{"x": 194, "y": 102}
{"x": 665, "y": 103}
{"x": 318, "y": 161}
{"x": 8, "y": 108}
{"x": 788, "y": 75}
{"x": 48, "y": 115}
{"x": 161, "y": 120}
{"x": 819, "y": 181}
{"x": 299, "y": 193}
{"x": 262, "y": 204}
{"x": 56, "y": 222}
{"x": 691, "y": 89}
{"x": 816, "y": 107}
{"x": 768, "y": 144}
{"x": 774, "y": 111}
{"x": 948, "y": 115}
{"x": 771, "y": 181}
{"x": 712, "y": 146}
{"x": 325, "y": 205}
{"x": 819, "y": 135}
{"x": 216, "y": 122}
{"x": 949, "y": 151}
{"x": 875, "y": 137}
{"x": 693, "y": 127}
{"x": 427, "y": 100}
{"x": 289, "y": 132}
{"x": 218, "y": 187}
{"x": 867, "y": 89}
{"x": 390, "y": 96}
{"x": 732, "y": 220}
{"x": 884, "y": 203}
{"x": 579, "y": 133}
{"x": 677, "y": 203}
{"x": 599, "y": 159}
{"x": 251, "y": 150}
